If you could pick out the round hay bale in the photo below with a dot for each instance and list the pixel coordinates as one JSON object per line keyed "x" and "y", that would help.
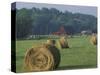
{"x": 58, "y": 45}
{"x": 63, "y": 42}
{"x": 56, "y": 55}
{"x": 51, "y": 42}
{"x": 42, "y": 58}
{"x": 93, "y": 39}
{"x": 51, "y": 45}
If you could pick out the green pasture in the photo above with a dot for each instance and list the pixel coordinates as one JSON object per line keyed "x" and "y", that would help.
{"x": 81, "y": 54}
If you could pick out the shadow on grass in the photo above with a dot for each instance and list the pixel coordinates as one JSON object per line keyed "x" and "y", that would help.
{"x": 76, "y": 67}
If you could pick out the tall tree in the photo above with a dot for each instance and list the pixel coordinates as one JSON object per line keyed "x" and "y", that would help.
{"x": 23, "y": 22}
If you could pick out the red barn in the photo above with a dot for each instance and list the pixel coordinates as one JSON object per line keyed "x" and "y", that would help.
{"x": 60, "y": 32}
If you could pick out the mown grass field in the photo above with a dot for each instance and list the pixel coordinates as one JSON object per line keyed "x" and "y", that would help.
{"x": 81, "y": 54}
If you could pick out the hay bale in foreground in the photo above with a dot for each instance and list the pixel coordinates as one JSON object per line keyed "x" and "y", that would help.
{"x": 63, "y": 42}
{"x": 42, "y": 58}
{"x": 93, "y": 39}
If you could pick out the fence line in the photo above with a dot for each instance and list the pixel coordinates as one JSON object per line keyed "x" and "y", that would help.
{"x": 43, "y": 36}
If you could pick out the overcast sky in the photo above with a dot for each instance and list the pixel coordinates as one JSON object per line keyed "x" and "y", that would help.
{"x": 91, "y": 10}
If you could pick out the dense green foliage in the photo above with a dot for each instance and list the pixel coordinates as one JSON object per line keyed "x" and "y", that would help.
{"x": 45, "y": 21}
{"x": 23, "y": 23}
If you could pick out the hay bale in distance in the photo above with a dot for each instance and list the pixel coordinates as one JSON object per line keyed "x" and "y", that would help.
{"x": 43, "y": 58}
{"x": 93, "y": 39}
{"x": 51, "y": 42}
{"x": 58, "y": 45}
{"x": 63, "y": 42}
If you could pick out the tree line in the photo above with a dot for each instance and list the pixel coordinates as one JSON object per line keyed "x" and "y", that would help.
{"x": 45, "y": 21}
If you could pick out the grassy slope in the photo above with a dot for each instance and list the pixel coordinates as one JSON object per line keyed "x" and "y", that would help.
{"x": 81, "y": 53}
